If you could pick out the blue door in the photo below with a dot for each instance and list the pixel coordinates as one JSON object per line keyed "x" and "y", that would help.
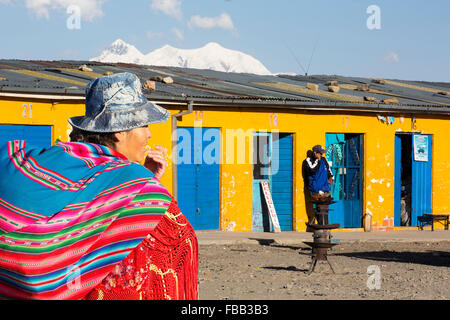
{"x": 345, "y": 154}
{"x": 335, "y": 146}
{"x": 198, "y": 167}
{"x": 262, "y": 154}
{"x": 421, "y": 176}
{"x": 39, "y": 136}
{"x": 413, "y": 173}
{"x": 282, "y": 177}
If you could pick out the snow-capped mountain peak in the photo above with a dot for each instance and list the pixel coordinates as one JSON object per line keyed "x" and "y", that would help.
{"x": 120, "y": 47}
{"x": 120, "y": 51}
{"x": 213, "y": 45}
{"x": 212, "y": 56}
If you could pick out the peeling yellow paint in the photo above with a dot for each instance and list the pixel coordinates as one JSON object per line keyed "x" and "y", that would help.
{"x": 236, "y": 178}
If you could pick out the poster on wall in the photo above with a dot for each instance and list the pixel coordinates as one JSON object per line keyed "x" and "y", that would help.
{"x": 420, "y": 148}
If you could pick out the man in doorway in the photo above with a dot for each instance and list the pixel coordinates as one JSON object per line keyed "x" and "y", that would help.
{"x": 319, "y": 178}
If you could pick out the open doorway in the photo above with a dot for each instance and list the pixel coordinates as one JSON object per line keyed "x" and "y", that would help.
{"x": 273, "y": 163}
{"x": 405, "y": 179}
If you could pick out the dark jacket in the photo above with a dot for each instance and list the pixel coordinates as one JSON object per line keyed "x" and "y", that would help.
{"x": 317, "y": 174}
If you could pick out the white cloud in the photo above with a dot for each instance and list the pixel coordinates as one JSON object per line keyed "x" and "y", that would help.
{"x": 391, "y": 57}
{"x": 223, "y": 21}
{"x": 89, "y": 8}
{"x": 154, "y": 35}
{"x": 178, "y": 33}
{"x": 170, "y": 7}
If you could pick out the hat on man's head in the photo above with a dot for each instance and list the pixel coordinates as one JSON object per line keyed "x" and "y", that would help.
{"x": 116, "y": 103}
{"x": 319, "y": 149}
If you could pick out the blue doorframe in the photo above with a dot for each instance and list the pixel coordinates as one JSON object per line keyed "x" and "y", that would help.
{"x": 345, "y": 153}
{"x": 273, "y": 163}
{"x": 397, "y": 181}
{"x": 198, "y": 165}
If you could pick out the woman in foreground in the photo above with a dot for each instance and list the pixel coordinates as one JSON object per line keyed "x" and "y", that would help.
{"x": 84, "y": 219}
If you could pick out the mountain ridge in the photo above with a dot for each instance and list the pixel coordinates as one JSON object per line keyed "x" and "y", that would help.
{"x": 211, "y": 56}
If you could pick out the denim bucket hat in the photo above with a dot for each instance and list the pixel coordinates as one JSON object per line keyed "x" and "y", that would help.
{"x": 116, "y": 103}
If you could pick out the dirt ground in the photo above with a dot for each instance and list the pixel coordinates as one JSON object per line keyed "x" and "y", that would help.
{"x": 364, "y": 270}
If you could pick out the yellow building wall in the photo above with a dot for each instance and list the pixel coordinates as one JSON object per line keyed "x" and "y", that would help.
{"x": 31, "y": 112}
{"x": 308, "y": 129}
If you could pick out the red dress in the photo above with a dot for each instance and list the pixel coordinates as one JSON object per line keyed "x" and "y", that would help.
{"x": 164, "y": 266}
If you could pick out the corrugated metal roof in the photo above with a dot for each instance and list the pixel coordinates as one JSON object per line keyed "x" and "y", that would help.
{"x": 65, "y": 78}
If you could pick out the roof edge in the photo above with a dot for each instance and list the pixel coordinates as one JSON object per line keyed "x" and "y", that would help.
{"x": 290, "y": 104}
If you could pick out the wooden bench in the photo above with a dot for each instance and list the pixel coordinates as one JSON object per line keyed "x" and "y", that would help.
{"x": 430, "y": 218}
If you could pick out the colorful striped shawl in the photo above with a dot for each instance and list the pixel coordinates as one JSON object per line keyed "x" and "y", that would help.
{"x": 68, "y": 214}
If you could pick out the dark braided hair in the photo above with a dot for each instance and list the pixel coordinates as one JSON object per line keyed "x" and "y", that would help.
{"x": 107, "y": 139}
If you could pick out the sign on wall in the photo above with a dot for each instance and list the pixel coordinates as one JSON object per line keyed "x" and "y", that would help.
{"x": 270, "y": 206}
{"x": 420, "y": 148}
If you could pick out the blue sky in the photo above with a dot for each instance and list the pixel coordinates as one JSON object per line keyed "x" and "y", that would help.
{"x": 410, "y": 42}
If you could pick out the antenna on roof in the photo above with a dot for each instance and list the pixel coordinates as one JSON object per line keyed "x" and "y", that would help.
{"x": 310, "y": 59}
{"x": 295, "y": 57}
{"x": 312, "y": 54}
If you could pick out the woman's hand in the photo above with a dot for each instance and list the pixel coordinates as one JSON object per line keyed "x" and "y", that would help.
{"x": 156, "y": 161}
